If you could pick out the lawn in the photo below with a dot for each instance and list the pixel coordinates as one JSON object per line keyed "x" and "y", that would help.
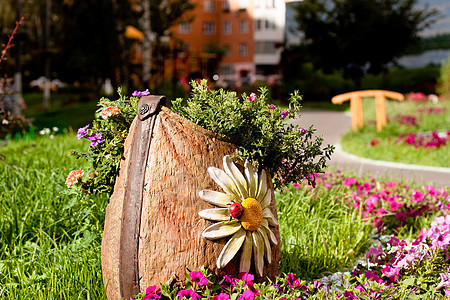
{"x": 408, "y": 136}
{"x": 51, "y": 235}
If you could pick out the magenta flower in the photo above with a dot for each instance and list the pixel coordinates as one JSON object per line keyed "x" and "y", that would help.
{"x": 284, "y": 114}
{"x": 252, "y": 97}
{"x": 348, "y": 295}
{"x": 296, "y": 185}
{"x": 95, "y": 139}
{"x": 141, "y": 93}
{"x": 221, "y": 296}
{"x": 445, "y": 283}
{"x": 372, "y": 275}
{"x": 152, "y": 293}
{"x": 247, "y": 295}
{"x": 188, "y": 294}
{"x": 199, "y": 278}
{"x": 350, "y": 181}
{"x": 373, "y": 254}
{"x": 82, "y": 132}
{"x": 272, "y": 106}
{"x": 247, "y": 277}
{"x": 391, "y": 273}
{"x": 393, "y": 205}
{"x": 293, "y": 281}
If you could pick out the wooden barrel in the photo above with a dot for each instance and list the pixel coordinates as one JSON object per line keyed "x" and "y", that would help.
{"x": 153, "y": 232}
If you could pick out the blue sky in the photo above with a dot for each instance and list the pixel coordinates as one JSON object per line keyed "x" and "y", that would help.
{"x": 443, "y": 25}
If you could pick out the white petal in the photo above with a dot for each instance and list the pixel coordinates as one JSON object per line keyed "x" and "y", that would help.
{"x": 271, "y": 235}
{"x": 258, "y": 252}
{"x": 268, "y": 249}
{"x": 246, "y": 254}
{"x": 215, "y": 214}
{"x": 216, "y": 198}
{"x": 231, "y": 248}
{"x": 222, "y": 229}
{"x": 252, "y": 179}
{"x": 267, "y": 199}
{"x": 267, "y": 214}
{"x": 262, "y": 185}
{"x": 225, "y": 182}
{"x": 236, "y": 175}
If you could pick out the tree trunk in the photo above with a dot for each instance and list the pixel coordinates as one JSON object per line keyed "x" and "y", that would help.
{"x": 146, "y": 43}
{"x": 164, "y": 169}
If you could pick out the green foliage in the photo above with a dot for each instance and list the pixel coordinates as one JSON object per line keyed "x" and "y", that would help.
{"x": 50, "y": 241}
{"x": 105, "y": 157}
{"x": 443, "y": 87}
{"x": 320, "y": 234}
{"x": 288, "y": 152}
{"x": 360, "y": 142}
{"x": 342, "y": 34}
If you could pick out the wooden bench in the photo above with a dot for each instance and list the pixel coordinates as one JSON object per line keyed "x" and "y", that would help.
{"x": 357, "y": 109}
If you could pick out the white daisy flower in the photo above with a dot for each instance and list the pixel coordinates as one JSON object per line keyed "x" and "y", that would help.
{"x": 244, "y": 214}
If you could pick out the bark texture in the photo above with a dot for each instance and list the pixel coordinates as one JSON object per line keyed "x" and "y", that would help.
{"x": 170, "y": 240}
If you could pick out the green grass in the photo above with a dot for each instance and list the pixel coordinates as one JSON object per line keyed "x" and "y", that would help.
{"x": 51, "y": 236}
{"x": 320, "y": 234}
{"x": 359, "y": 142}
{"x": 50, "y": 241}
{"x": 67, "y": 110}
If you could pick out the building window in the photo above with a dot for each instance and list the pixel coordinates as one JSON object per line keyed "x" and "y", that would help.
{"x": 243, "y": 49}
{"x": 265, "y": 47}
{"x": 184, "y": 27}
{"x": 226, "y": 70}
{"x": 227, "y": 27}
{"x": 243, "y": 26}
{"x": 208, "y": 5}
{"x": 209, "y": 28}
{"x": 243, "y": 4}
{"x": 226, "y": 5}
{"x": 227, "y": 49}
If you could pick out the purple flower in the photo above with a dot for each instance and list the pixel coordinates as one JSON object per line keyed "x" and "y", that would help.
{"x": 95, "y": 139}
{"x": 284, "y": 114}
{"x": 188, "y": 294}
{"x": 82, "y": 132}
{"x": 221, "y": 296}
{"x": 199, "y": 278}
{"x": 141, "y": 93}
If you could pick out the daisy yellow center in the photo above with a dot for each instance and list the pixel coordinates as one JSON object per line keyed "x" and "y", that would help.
{"x": 252, "y": 217}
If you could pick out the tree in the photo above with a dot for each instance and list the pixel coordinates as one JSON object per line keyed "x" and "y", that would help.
{"x": 358, "y": 36}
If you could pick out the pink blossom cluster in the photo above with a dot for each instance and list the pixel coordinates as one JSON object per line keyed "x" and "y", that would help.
{"x": 425, "y": 140}
{"x": 407, "y": 120}
{"x": 399, "y": 260}
{"x": 419, "y": 96}
{"x": 388, "y": 205}
{"x": 431, "y": 110}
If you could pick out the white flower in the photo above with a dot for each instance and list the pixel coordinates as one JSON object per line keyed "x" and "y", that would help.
{"x": 250, "y": 230}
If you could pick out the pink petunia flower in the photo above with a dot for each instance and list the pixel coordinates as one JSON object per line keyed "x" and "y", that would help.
{"x": 221, "y": 296}
{"x": 188, "y": 294}
{"x": 272, "y": 106}
{"x": 199, "y": 278}
{"x": 252, "y": 97}
{"x": 284, "y": 114}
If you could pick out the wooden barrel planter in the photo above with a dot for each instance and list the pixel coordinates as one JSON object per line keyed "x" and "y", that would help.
{"x": 153, "y": 232}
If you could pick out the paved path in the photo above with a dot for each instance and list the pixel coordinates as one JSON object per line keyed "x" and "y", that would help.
{"x": 331, "y": 125}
